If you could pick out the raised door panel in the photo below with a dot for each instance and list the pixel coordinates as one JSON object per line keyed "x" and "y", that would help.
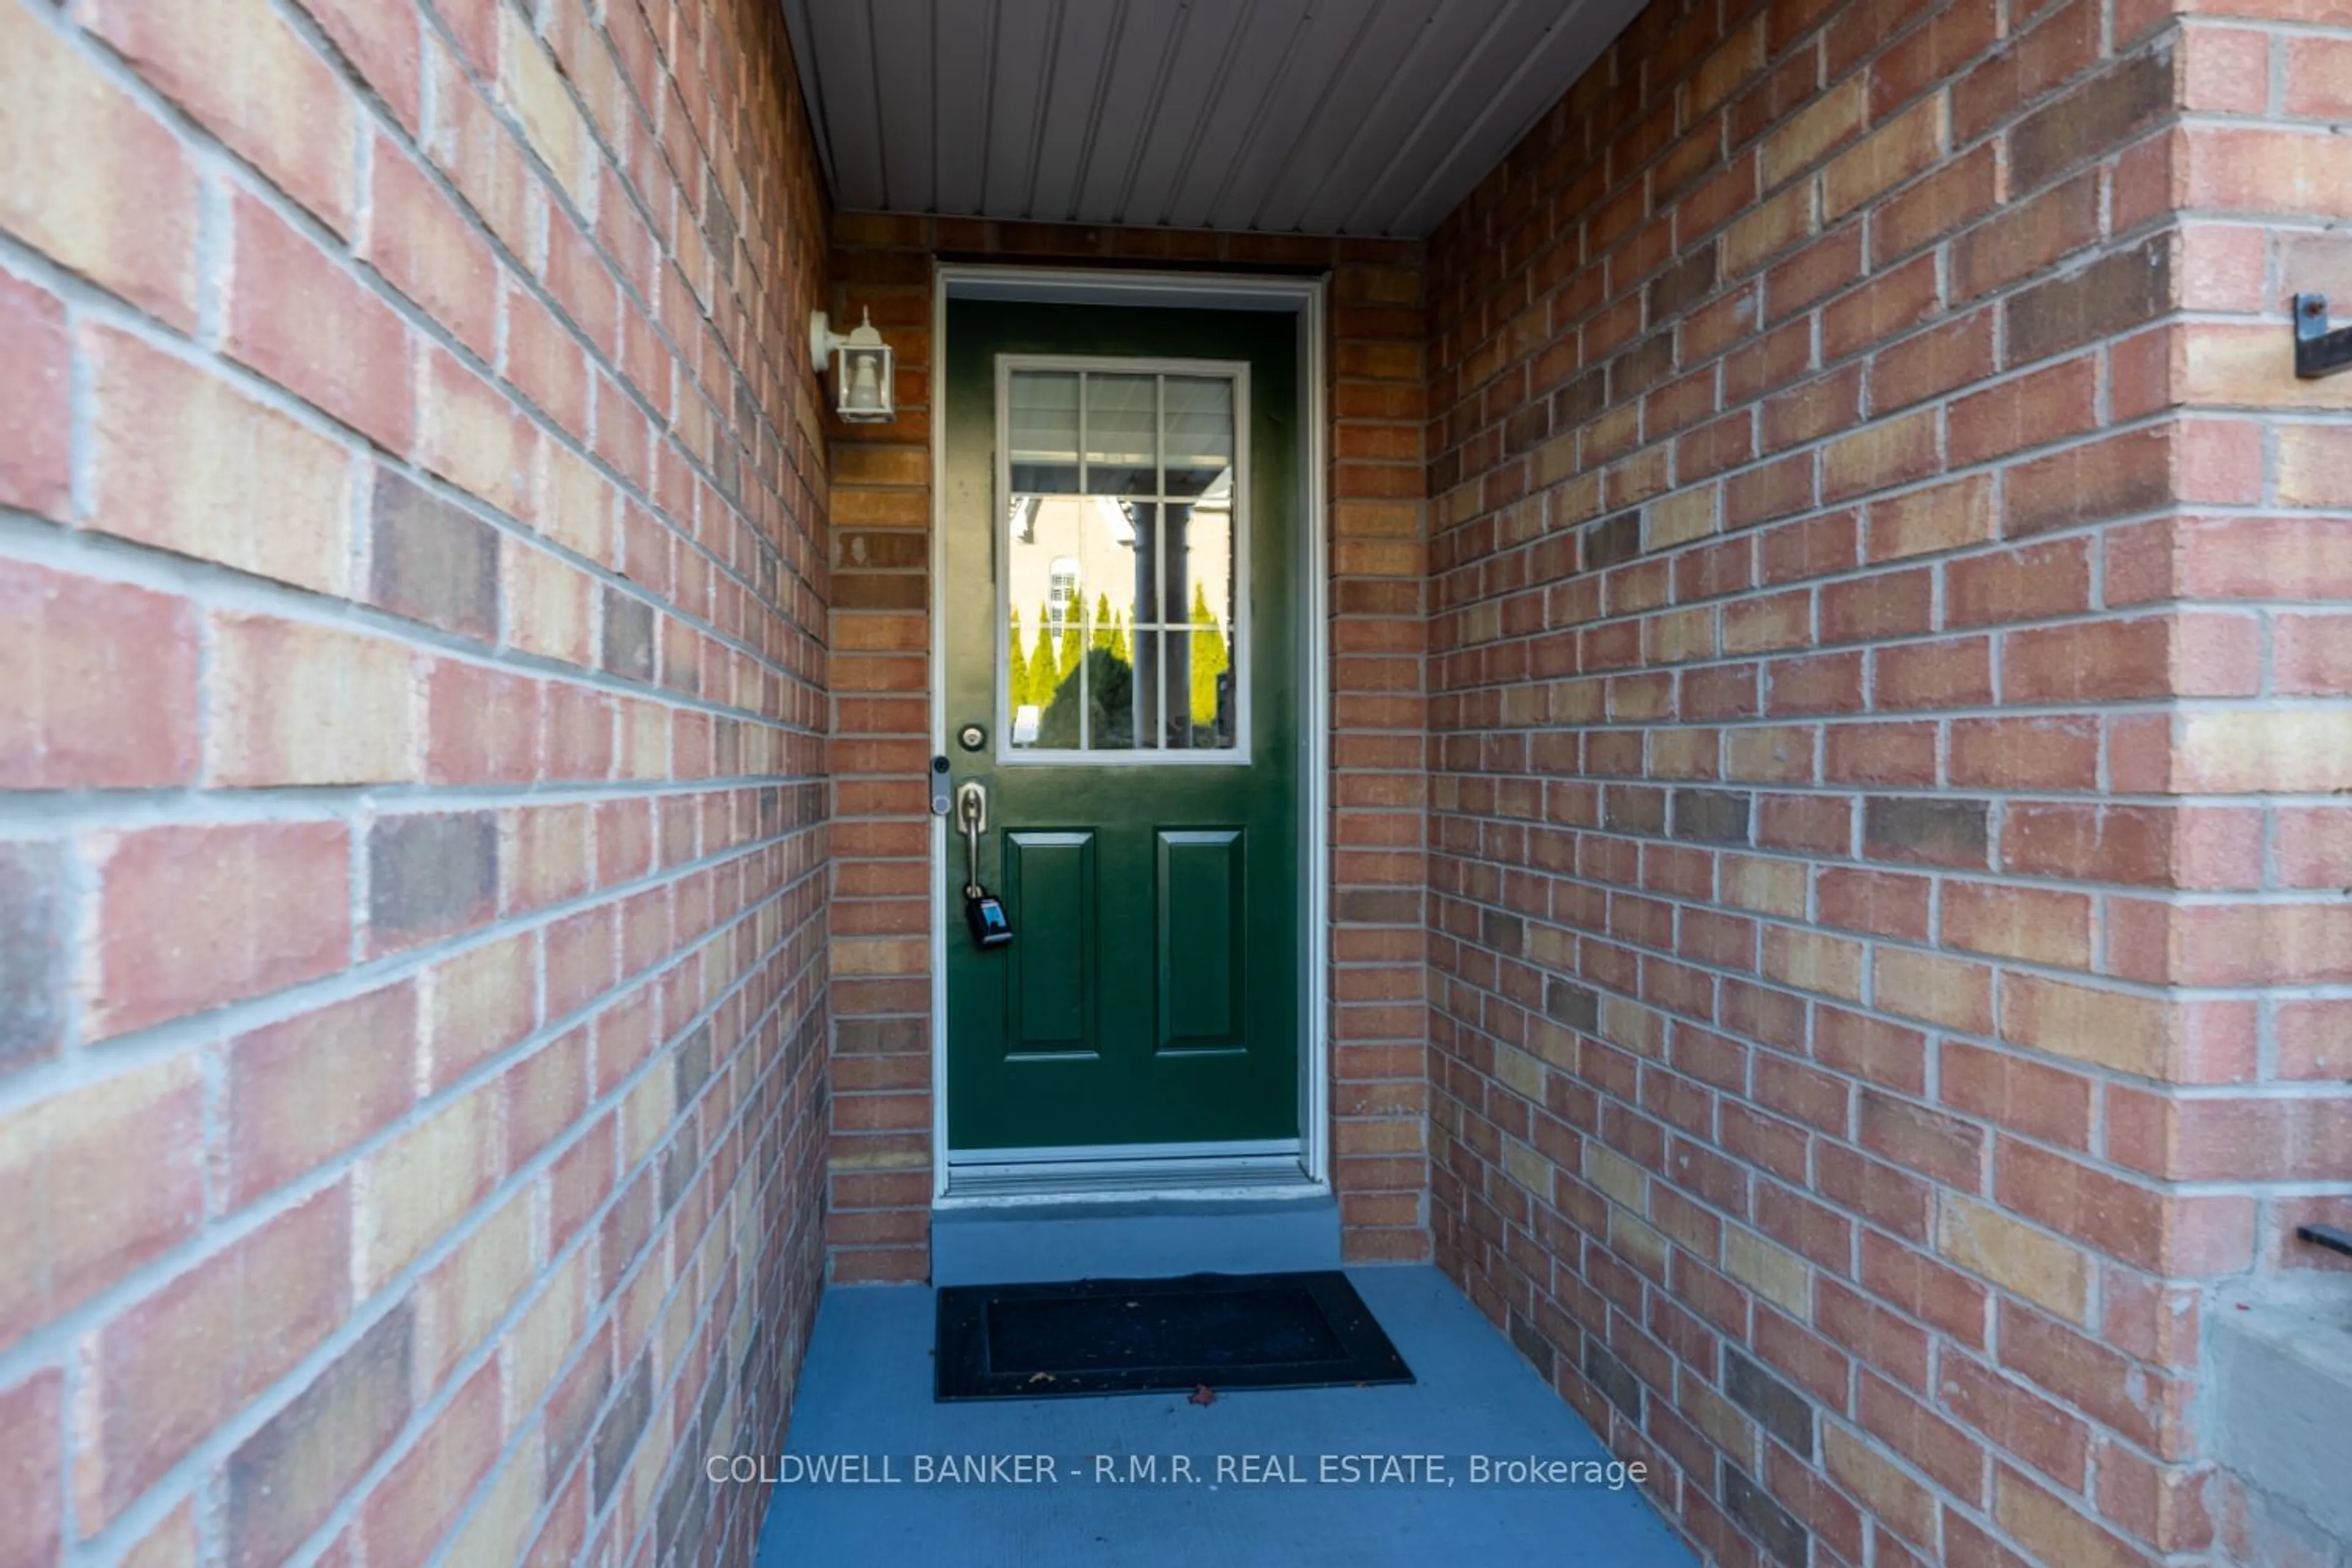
{"x": 1201, "y": 977}
{"x": 1049, "y": 891}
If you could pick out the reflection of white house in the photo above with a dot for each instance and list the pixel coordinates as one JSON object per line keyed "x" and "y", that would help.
{"x": 1068, "y": 553}
{"x": 1071, "y": 555}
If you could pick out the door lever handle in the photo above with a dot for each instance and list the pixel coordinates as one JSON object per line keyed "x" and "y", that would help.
{"x": 972, "y": 821}
{"x": 981, "y": 908}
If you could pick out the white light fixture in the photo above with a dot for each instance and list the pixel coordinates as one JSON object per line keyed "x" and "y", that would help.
{"x": 861, "y": 369}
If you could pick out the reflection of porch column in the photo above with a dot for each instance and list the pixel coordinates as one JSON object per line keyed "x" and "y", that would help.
{"x": 1154, "y": 557}
{"x": 1176, "y": 612}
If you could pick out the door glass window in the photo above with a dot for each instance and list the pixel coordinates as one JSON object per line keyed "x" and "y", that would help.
{"x": 1121, "y": 543}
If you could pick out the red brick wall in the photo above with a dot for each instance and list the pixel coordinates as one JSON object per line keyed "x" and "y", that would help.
{"x": 1885, "y": 694}
{"x": 881, "y": 1150}
{"x": 412, "y": 862}
{"x": 2264, "y": 177}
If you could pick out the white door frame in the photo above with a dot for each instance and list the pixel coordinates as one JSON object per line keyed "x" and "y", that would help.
{"x": 1207, "y": 1171}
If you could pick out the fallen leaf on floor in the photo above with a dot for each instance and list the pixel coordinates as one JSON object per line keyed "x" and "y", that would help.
{"x": 1203, "y": 1395}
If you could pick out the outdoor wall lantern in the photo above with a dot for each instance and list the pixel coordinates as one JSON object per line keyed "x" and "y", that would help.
{"x": 861, "y": 369}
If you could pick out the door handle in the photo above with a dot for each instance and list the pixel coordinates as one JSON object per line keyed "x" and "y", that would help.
{"x": 972, "y": 821}
{"x": 982, "y": 910}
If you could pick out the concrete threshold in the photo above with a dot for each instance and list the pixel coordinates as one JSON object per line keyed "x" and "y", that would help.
{"x": 1135, "y": 1239}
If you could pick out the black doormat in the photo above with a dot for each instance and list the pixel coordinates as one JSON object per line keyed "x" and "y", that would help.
{"x": 1154, "y": 1336}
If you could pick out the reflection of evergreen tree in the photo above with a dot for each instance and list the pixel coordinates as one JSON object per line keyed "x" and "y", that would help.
{"x": 1110, "y": 701}
{"x": 1016, "y": 666}
{"x": 1073, "y": 644}
{"x": 1210, "y": 659}
{"x": 1106, "y": 629}
{"x": 1045, "y": 676}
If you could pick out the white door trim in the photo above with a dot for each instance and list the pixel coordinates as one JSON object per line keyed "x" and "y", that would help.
{"x": 1306, "y": 298}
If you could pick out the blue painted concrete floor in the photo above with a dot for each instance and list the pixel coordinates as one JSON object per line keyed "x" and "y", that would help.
{"x": 866, "y": 1410}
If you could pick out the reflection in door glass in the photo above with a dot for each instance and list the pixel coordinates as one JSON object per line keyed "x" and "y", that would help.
{"x": 1122, "y": 435}
{"x": 1200, "y": 433}
{"x": 1120, "y": 632}
{"x": 1042, "y": 434}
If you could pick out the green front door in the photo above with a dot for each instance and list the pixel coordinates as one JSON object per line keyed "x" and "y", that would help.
{"x": 1123, "y": 626}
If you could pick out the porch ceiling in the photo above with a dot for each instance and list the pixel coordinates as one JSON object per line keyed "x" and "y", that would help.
{"x": 1360, "y": 117}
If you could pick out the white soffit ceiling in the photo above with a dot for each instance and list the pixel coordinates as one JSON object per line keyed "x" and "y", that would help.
{"x": 1363, "y": 117}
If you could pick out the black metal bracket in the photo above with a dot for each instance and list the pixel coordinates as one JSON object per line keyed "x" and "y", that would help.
{"x": 2317, "y": 351}
{"x": 2326, "y": 1236}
